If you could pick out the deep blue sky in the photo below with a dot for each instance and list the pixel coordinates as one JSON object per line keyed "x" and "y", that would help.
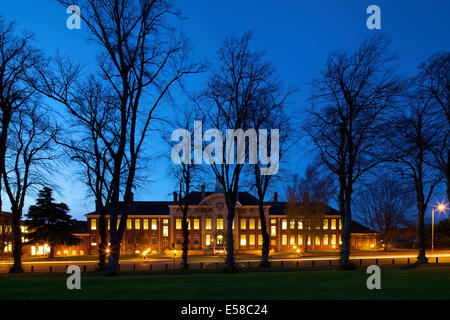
{"x": 297, "y": 35}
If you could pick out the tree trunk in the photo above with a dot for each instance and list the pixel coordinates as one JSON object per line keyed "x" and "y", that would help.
{"x": 346, "y": 233}
{"x": 103, "y": 242}
{"x": 52, "y": 251}
{"x": 265, "y": 249}
{"x": 185, "y": 240}
{"x": 421, "y": 258}
{"x": 17, "y": 242}
{"x": 113, "y": 261}
{"x": 230, "y": 264}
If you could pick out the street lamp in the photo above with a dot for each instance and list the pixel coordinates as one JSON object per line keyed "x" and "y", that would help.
{"x": 441, "y": 208}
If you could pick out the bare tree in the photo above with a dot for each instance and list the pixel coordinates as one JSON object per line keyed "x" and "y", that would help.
{"x": 384, "y": 204}
{"x": 142, "y": 58}
{"x": 230, "y": 97}
{"x": 94, "y": 110}
{"x": 30, "y": 149}
{"x": 350, "y": 105}
{"x": 411, "y": 137}
{"x": 434, "y": 81}
{"x": 308, "y": 199}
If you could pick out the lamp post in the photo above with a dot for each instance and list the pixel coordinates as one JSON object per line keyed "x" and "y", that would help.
{"x": 441, "y": 208}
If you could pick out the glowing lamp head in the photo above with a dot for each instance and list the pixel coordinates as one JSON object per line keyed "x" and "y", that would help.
{"x": 441, "y": 207}
{"x": 298, "y": 250}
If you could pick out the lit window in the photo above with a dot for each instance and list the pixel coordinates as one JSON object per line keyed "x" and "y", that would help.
{"x": 93, "y": 241}
{"x": 243, "y": 240}
{"x": 292, "y": 240}
{"x": 340, "y": 239}
{"x": 196, "y": 224}
{"x": 273, "y": 231}
{"x": 108, "y": 223}
{"x": 251, "y": 240}
{"x": 188, "y": 221}
{"x": 325, "y": 224}
{"x": 340, "y": 224}
{"x": 208, "y": 224}
{"x": 273, "y": 221}
{"x": 259, "y": 224}
{"x": 260, "y": 240}
{"x": 154, "y": 224}
{"x": 333, "y": 239}
{"x": 118, "y": 223}
{"x": 93, "y": 224}
{"x": 178, "y": 224}
{"x": 273, "y": 242}
{"x": 325, "y": 239}
{"x": 309, "y": 240}
{"x": 292, "y": 224}
{"x": 165, "y": 231}
{"x": 243, "y": 224}
{"x": 317, "y": 240}
{"x": 300, "y": 239}
{"x": 145, "y": 223}
{"x": 137, "y": 224}
{"x": 284, "y": 239}
{"x": 284, "y": 224}
{"x": 208, "y": 239}
{"x": 165, "y": 221}
{"x": 251, "y": 224}
{"x": 333, "y": 224}
{"x": 129, "y": 224}
{"x": 220, "y": 224}
{"x": 300, "y": 224}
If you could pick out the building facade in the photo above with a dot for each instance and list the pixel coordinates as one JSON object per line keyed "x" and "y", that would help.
{"x": 155, "y": 226}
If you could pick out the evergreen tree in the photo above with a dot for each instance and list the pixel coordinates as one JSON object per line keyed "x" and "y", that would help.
{"x": 50, "y": 222}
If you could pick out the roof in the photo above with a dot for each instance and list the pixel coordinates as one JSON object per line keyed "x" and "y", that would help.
{"x": 280, "y": 208}
{"x": 144, "y": 208}
{"x": 357, "y": 227}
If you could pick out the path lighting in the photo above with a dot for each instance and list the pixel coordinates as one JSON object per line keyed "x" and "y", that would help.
{"x": 298, "y": 252}
{"x": 441, "y": 207}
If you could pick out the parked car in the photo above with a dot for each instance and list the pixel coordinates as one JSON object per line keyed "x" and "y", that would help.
{"x": 219, "y": 251}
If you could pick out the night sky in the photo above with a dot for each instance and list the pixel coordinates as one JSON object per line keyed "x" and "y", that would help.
{"x": 296, "y": 35}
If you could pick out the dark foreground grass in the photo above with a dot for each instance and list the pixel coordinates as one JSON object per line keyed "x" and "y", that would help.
{"x": 431, "y": 282}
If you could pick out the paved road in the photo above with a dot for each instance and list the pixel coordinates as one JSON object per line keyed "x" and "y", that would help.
{"x": 211, "y": 262}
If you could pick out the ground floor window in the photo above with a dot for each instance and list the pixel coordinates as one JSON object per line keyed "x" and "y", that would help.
{"x": 251, "y": 240}
{"x": 243, "y": 240}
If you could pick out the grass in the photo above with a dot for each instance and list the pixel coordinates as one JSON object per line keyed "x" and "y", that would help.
{"x": 425, "y": 282}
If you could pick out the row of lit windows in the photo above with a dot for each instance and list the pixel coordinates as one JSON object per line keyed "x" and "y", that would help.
{"x": 326, "y": 224}
{"x": 8, "y": 229}
{"x": 137, "y": 224}
{"x": 319, "y": 240}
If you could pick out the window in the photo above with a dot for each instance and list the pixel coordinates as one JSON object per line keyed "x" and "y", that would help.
{"x": 196, "y": 241}
{"x": 154, "y": 241}
{"x": 220, "y": 224}
{"x": 178, "y": 224}
{"x": 154, "y": 224}
{"x": 260, "y": 240}
{"x": 93, "y": 224}
{"x": 273, "y": 242}
{"x": 273, "y": 221}
{"x": 138, "y": 241}
{"x": 208, "y": 240}
{"x": 94, "y": 240}
{"x": 340, "y": 239}
{"x": 292, "y": 224}
{"x": 145, "y": 241}
{"x": 145, "y": 222}
{"x": 251, "y": 239}
{"x": 243, "y": 240}
{"x": 137, "y": 224}
{"x": 273, "y": 231}
{"x": 165, "y": 221}
{"x": 118, "y": 223}
{"x": 284, "y": 239}
{"x": 259, "y": 224}
{"x": 108, "y": 224}
{"x": 292, "y": 240}
{"x": 300, "y": 240}
{"x": 243, "y": 224}
{"x": 284, "y": 224}
{"x": 178, "y": 240}
{"x": 188, "y": 224}
{"x": 325, "y": 224}
{"x": 300, "y": 225}
{"x": 196, "y": 224}
{"x": 208, "y": 224}
{"x": 309, "y": 240}
{"x": 340, "y": 224}
{"x": 333, "y": 239}
{"x": 129, "y": 225}
{"x": 165, "y": 231}
{"x": 251, "y": 224}
{"x": 333, "y": 224}
{"x": 325, "y": 239}
{"x": 317, "y": 240}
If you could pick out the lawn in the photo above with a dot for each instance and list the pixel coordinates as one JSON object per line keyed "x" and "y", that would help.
{"x": 430, "y": 282}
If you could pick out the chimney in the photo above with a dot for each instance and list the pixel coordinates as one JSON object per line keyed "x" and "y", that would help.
{"x": 174, "y": 196}
{"x": 203, "y": 191}
{"x": 275, "y": 196}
